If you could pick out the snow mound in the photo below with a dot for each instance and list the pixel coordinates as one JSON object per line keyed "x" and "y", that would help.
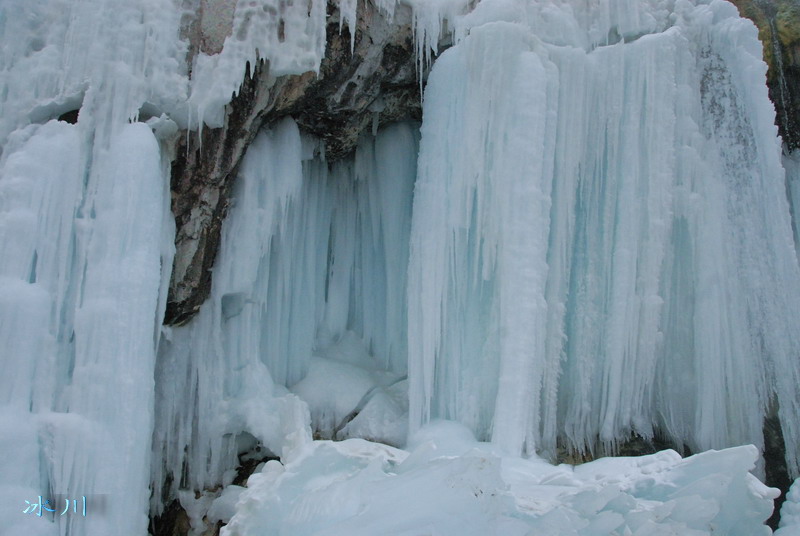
{"x": 350, "y": 396}
{"x": 452, "y": 484}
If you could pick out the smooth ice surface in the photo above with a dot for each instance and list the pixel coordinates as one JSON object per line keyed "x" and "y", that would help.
{"x": 451, "y": 484}
{"x": 591, "y": 251}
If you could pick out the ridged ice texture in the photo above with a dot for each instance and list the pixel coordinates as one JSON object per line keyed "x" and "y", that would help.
{"x": 84, "y": 214}
{"x": 791, "y": 163}
{"x": 80, "y": 279}
{"x": 307, "y": 254}
{"x": 601, "y": 240}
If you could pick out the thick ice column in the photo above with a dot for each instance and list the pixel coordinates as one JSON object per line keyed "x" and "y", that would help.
{"x": 633, "y": 265}
{"x": 85, "y": 272}
{"x": 479, "y": 239}
{"x": 791, "y": 163}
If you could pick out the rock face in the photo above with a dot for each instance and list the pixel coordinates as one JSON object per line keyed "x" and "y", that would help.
{"x": 376, "y": 83}
{"x": 778, "y": 24}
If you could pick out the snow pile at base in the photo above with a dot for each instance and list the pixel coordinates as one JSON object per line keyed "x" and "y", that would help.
{"x": 448, "y": 483}
{"x": 349, "y": 395}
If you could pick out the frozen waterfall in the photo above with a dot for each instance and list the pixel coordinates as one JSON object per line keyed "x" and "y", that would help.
{"x": 589, "y": 236}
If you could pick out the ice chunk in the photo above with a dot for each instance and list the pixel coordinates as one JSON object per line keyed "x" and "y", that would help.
{"x": 790, "y": 513}
{"x": 452, "y": 484}
{"x": 224, "y": 507}
{"x": 332, "y": 390}
{"x": 384, "y": 417}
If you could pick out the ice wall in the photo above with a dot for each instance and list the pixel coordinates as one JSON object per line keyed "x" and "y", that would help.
{"x": 84, "y": 213}
{"x": 308, "y": 254}
{"x": 86, "y": 234}
{"x": 81, "y": 274}
{"x": 601, "y": 240}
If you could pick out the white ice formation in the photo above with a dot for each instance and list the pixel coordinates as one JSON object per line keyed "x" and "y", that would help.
{"x": 589, "y": 236}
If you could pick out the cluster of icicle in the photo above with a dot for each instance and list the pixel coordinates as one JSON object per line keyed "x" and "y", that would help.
{"x": 594, "y": 240}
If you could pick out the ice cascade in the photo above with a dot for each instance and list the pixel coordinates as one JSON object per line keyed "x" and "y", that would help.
{"x": 592, "y": 252}
{"x": 587, "y": 237}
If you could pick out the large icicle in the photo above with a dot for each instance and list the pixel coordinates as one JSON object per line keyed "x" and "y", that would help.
{"x": 308, "y": 255}
{"x": 83, "y": 216}
{"x": 80, "y": 289}
{"x": 591, "y": 250}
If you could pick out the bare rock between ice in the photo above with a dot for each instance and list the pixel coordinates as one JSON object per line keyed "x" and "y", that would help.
{"x": 354, "y": 92}
{"x": 778, "y": 24}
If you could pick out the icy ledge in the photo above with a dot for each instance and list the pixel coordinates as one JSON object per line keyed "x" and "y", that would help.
{"x": 448, "y": 483}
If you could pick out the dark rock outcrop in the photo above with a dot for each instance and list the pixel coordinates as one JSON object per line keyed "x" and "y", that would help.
{"x": 778, "y": 24}
{"x": 375, "y": 84}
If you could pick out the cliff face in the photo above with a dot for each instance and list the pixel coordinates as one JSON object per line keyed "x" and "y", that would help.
{"x": 778, "y": 24}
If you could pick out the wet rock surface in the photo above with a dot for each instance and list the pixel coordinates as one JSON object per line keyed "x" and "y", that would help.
{"x": 777, "y": 474}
